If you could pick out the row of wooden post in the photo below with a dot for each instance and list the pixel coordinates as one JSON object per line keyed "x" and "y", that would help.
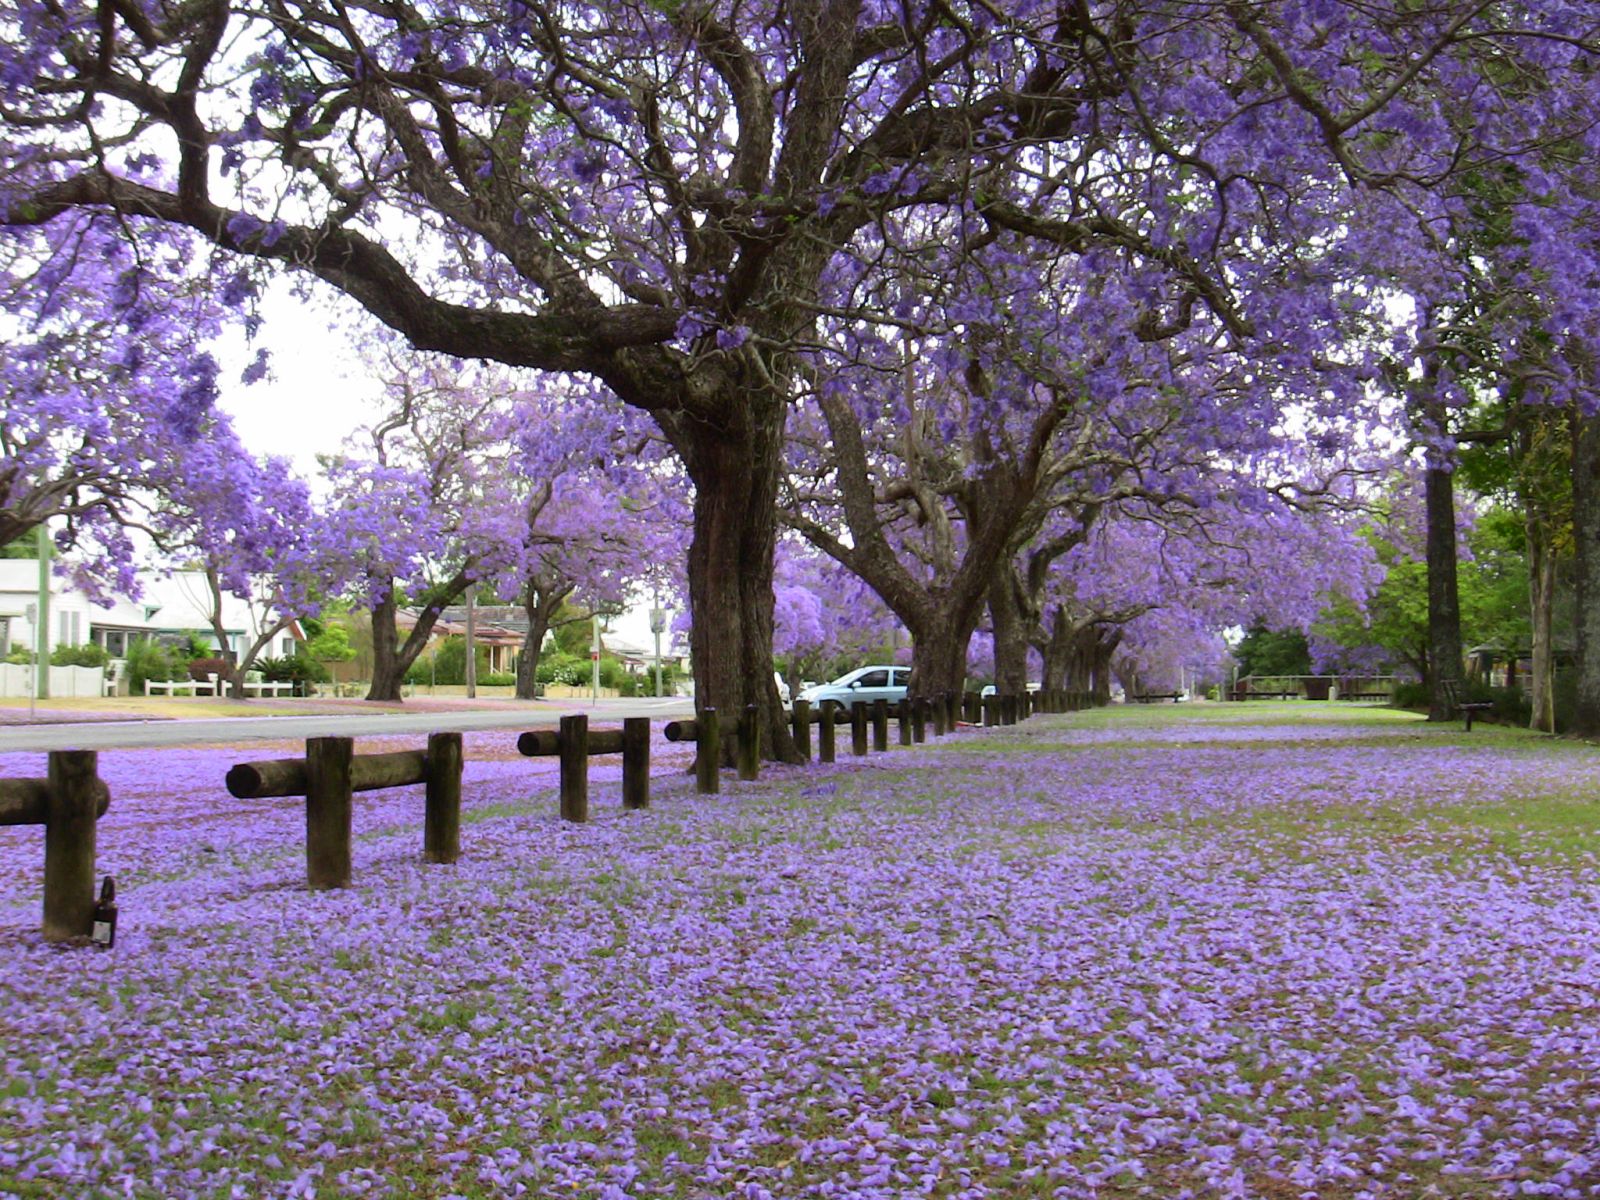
{"x": 69, "y": 802}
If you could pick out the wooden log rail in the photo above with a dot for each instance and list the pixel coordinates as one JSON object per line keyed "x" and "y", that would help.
{"x": 574, "y": 743}
{"x": 329, "y": 775}
{"x": 68, "y": 802}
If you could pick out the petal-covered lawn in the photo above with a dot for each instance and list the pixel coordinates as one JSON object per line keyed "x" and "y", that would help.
{"x": 1277, "y": 951}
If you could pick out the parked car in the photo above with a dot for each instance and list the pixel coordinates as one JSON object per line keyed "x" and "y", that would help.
{"x": 861, "y": 686}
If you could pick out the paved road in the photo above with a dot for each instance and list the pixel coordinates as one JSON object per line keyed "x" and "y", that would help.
{"x": 125, "y": 735}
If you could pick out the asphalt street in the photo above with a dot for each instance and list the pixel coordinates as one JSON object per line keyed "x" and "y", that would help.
{"x": 126, "y": 735}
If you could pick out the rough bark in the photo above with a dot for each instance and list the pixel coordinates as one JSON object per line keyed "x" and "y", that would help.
{"x": 1010, "y": 636}
{"x": 735, "y": 471}
{"x": 1444, "y": 603}
{"x": 1541, "y": 609}
{"x": 541, "y": 605}
{"x": 392, "y": 658}
{"x": 1586, "y": 538}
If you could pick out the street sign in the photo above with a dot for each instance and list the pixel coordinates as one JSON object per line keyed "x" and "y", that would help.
{"x": 658, "y": 620}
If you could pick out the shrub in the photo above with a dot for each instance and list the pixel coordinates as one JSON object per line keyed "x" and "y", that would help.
{"x": 556, "y": 667}
{"x": 1409, "y": 695}
{"x": 498, "y": 679}
{"x": 147, "y": 660}
{"x": 450, "y": 661}
{"x": 299, "y": 668}
{"x": 86, "y": 655}
{"x": 19, "y": 655}
{"x": 611, "y": 672}
{"x": 202, "y": 669}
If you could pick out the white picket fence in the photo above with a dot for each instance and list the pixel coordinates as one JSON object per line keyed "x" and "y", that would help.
{"x": 65, "y": 682}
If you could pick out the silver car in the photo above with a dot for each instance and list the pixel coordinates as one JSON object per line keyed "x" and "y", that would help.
{"x": 861, "y": 686}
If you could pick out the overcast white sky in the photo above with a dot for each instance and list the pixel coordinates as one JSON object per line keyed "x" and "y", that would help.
{"x": 318, "y": 392}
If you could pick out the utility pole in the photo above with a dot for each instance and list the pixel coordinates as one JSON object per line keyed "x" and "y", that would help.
{"x": 472, "y": 641}
{"x": 658, "y": 624}
{"x": 594, "y": 662}
{"x": 41, "y": 627}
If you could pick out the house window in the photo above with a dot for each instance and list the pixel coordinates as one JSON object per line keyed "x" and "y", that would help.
{"x": 286, "y": 648}
{"x": 5, "y": 635}
{"x": 77, "y": 629}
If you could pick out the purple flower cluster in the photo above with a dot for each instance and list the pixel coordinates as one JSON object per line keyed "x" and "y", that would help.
{"x": 1107, "y": 955}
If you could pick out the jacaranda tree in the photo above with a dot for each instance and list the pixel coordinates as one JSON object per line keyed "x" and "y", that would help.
{"x": 649, "y": 193}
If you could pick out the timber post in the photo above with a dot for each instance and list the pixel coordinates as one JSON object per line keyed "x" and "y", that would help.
{"x": 880, "y": 725}
{"x": 573, "y": 755}
{"x": 919, "y": 720}
{"x": 707, "y": 752}
{"x": 902, "y": 712}
{"x": 441, "y": 832}
{"x": 72, "y": 806}
{"x": 635, "y": 762}
{"x": 800, "y": 716}
{"x": 748, "y": 749}
{"x": 858, "y": 728}
{"x": 328, "y": 803}
{"x": 826, "y": 747}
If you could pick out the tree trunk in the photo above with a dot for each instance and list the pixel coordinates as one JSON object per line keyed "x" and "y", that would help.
{"x": 1586, "y": 537}
{"x": 391, "y": 658}
{"x": 541, "y": 606}
{"x": 1010, "y": 637}
{"x": 387, "y": 673}
{"x": 735, "y": 470}
{"x": 939, "y": 659}
{"x": 1105, "y": 644}
{"x": 1444, "y": 602}
{"x": 1541, "y": 609}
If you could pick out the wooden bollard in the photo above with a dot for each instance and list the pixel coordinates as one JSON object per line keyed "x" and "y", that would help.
{"x": 72, "y": 808}
{"x": 441, "y": 821}
{"x": 826, "y": 718}
{"x": 858, "y": 728}
{"x": 991, "y": 711}
{"x": 800, "y": 717}
{"x": 919, "y": 720}
{"x": 574, "y": 759}
{"x": 748, "y": 750}
{"x": 635, "y": 762}
{"x": 328, "y": 802}
{"x": 1008, "y": 709}
{"x": 970, "y": 705}
{"x": 902, "y": 716}
{"x": 707, "y": 752}
{"x": 880, "y": 725}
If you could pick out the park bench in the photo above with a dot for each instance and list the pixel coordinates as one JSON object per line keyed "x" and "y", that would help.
{"x": 1152, "y": 697}
{"x": 1463, "y": 708}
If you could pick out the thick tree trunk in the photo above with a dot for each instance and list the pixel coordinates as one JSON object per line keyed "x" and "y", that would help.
{"x": 1010, "y": 637}
{"x": 939, "y": 659}
{"x": 1586, "y": 536}
{"x": 1541, "y": 610}
{"x": 391, "y": 658}
{"x": 387, "y": 673}
{"x": 1444, "y": 603}
{"x": 735, "y": 472}
{"x": 1105, "y": 644}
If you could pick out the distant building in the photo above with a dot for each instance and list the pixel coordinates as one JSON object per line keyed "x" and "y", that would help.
{"x": 171, "y": 607}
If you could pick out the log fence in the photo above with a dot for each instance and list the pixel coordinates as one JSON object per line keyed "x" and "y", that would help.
{"x": 69, "y": 803}
{"x": 329, "y": 776}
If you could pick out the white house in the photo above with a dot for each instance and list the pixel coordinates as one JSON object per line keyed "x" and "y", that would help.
{"x": 170, "y": 607}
